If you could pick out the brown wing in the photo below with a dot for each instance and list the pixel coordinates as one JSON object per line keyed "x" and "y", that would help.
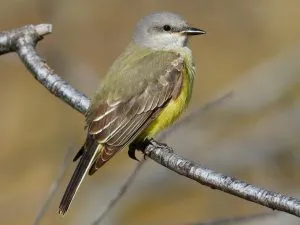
{"x": 115, "y": 124}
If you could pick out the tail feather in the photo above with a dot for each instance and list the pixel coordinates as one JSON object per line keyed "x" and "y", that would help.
{"x": 105, "y": 154}
{"x": 81, "y": 170}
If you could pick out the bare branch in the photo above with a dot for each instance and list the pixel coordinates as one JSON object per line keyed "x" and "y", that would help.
{"x": 160, "y": 153}
{"x": 54, "y": 187}
{"x": 23, "y": 41}
{"x": 163, "y": 154}
{"x": 8, "y": 39}
{"x": 49, "y": 79}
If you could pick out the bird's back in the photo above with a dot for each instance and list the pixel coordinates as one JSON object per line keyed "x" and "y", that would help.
{"x": 132, "y": 72}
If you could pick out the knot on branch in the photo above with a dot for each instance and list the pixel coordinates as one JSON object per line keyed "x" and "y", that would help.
{"x": 12, "y": 40}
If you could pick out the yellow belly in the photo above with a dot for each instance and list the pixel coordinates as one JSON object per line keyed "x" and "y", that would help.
{"x": 172, "y": 111}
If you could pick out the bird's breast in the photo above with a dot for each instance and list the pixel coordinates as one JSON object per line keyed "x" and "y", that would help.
{"x": 174, "y": 108}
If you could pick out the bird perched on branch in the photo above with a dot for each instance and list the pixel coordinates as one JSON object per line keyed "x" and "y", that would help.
{"x": 145, "y": 91}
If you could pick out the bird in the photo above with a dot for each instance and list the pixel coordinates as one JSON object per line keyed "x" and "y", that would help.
{"x": 145, "y": 90}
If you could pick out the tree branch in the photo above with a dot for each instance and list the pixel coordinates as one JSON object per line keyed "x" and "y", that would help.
{"x": 8, "y": 39}
{"x": 163, "y": 155}
{"x": 23, "y": 41}
{"x": 46, "y": 76}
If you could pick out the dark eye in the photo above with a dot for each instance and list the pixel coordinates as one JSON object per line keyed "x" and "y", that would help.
{"x": 167, "y": 27}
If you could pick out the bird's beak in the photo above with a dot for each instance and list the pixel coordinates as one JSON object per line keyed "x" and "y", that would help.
{"x": 189, "y": 31}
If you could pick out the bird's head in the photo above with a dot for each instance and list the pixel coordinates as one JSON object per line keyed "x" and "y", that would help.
{"x": 163, "y": 30}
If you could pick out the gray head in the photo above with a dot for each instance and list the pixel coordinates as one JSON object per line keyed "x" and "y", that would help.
{"x": 163, "y": 30}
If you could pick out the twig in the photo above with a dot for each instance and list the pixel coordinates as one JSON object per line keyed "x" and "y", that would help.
{"x": 232, "y": 220}
{"x": 23, "y": 41}
{"x": 8, "y": 39}
{"x": 46, "y": 76}
{"x": 120, "y": 194}
{"x": 160, "y": 153}
{"x": 54, "y": 186}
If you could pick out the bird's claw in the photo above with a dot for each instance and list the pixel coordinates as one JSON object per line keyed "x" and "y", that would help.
{"x": 156, "y": 144}
{"x": 131, "y": 154}
{"x": 142, "y": 146}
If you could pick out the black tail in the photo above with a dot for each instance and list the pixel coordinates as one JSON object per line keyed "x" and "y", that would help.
{"x": 81, "y": 170}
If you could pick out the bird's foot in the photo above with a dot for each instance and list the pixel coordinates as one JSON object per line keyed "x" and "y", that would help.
{"x": 138, "y": 146}
{"x": 146, "y": 146}
{"x": 157, "y": 145}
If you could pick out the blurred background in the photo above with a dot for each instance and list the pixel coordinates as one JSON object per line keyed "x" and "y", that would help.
{"x": 252, "y": 48}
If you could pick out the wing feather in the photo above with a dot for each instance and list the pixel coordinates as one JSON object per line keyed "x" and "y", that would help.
{"x": 115, "y": 124}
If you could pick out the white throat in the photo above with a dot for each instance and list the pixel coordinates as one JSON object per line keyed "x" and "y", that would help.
{"x": 162, "y": 41}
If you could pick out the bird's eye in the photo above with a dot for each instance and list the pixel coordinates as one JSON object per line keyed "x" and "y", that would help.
{"x": 167, "y": 27}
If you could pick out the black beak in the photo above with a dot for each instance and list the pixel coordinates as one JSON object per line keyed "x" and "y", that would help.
{"x": 193, "y": 31}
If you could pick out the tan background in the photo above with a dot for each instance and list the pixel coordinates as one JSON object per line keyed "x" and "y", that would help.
{"x": 251, "y": 48}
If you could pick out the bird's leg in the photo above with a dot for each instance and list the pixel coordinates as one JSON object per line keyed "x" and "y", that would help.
{"x": 146, "y": 145}
{"x": 143, "y": 145}
{"x": 138, "y": 146}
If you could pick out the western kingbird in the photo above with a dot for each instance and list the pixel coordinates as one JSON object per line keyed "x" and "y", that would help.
{"x": 145, "y": 90}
